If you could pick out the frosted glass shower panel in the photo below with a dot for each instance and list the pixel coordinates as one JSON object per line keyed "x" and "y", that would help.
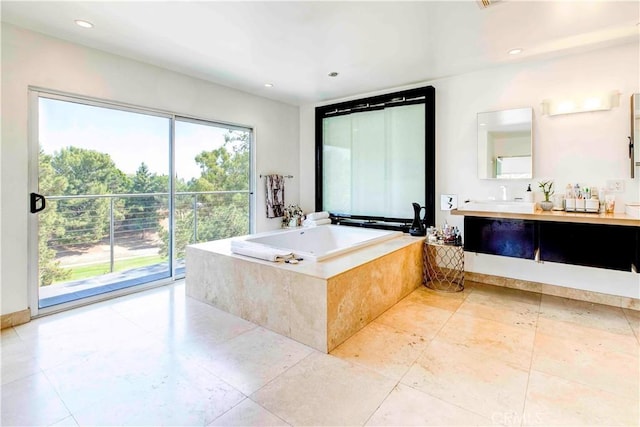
{"x": 374, "y": 162}
{"x": 336, "y": 167}
{"x": 368, "y": 171}
{"x": 406, "y": 161}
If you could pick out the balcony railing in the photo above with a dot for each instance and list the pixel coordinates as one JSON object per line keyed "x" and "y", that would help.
{"x": 98, "y": 234}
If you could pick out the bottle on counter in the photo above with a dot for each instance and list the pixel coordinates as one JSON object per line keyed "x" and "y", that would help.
{"x": 528, "y": 195}
{"x": 569, "y": 199}
{"x": 568, "y": 192}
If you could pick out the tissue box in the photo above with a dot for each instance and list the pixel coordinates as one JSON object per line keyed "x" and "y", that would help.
{"x": 632, "y": 209}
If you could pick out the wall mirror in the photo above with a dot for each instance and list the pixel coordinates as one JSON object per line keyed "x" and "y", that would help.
{"x": 505, "y": 144}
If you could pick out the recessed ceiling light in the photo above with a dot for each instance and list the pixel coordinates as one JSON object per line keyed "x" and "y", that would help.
{"x": 83, "y": 24}
{"x": 515, "y": 51}
{"x": 268, "y": 85}
{"x": 333, "y": 74}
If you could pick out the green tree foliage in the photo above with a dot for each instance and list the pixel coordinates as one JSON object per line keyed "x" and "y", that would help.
{"x": 88, "y": 172}
{"x": 217, "y": 216}
{"x": 85, "y": 220}
{"x": 225, "y": 168}
{"x": 143, "y": 212}
{"x": 50, "y": 224}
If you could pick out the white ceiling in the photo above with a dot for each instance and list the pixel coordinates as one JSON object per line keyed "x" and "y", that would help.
{"x": 295, "y": 44}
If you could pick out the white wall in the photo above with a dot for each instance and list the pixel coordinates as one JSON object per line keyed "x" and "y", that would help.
{"x": 30, "y": 58}
{"x": 587, "y": 148}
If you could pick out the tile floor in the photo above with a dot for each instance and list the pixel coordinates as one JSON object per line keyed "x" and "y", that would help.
{"x": 484, "y": 356}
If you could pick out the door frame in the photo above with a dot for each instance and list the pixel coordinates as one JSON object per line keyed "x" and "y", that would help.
{"x": 33, "y": 150}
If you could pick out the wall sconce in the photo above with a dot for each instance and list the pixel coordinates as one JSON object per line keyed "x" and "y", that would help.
{"x": 584, "y": 104}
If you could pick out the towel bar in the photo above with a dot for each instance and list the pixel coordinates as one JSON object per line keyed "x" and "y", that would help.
{"x": 284, "y": 176}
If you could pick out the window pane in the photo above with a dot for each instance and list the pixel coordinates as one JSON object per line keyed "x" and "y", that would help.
{"x": 212, "y": 164}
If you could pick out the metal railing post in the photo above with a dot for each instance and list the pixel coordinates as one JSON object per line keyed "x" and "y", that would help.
{"x": 111, "y": 235}
{"x": 195, "y": 218}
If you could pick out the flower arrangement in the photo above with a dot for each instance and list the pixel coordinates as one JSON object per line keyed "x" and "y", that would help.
{"x": 292, "y": 216}
{"x": 547, "y": 189}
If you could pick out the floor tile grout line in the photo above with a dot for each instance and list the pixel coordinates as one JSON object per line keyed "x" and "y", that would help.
{"x": 571, "y": 380}
{"x": 589, "y": 386}
{"x": 586, "y": 385}
{"x": 553, "y": 335}
{"x": 23, "y": 378}
{"x": 533, "y": 349}
{"x": 269, "y": 411}
{"x": 431, "y": 340}
{"x": 228, "y": 410}
{"x": 381, "y": 403}
{"x": 250, "y": 396}
{"x": 205, "y": 367}
{"x": 435, "y": 335}
{"x": 55, "y": 389}
{"x": 456, "y": 404}
{"x": 362, "y": 365}
{"x": 312, "y": 352}
{"x": 636, "y": 332}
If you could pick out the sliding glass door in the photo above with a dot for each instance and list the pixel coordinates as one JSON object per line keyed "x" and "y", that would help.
{"x": 106, "y": 214}
{"x": 104, "y": 176}
{"x": 213, "y": 175}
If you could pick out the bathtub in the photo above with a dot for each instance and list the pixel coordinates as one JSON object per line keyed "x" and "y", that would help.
{"x": 323, "y": 242}
{"x": 320, "y": 304}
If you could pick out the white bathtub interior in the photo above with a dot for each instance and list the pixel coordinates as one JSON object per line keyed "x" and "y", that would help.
{"x": 322, "y": 242}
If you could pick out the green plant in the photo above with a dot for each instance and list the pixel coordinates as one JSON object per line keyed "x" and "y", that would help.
{"x": 547, "y": 189}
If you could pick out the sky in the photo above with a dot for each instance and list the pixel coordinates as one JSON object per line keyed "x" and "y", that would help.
{"x": 129, "y": 138}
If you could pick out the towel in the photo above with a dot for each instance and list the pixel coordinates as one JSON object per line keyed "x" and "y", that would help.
{"x": 275, "y": 196}
{"x": 256, "y": 250}
{"x": 309, "y": 223}
{"x": 317, "y": 215}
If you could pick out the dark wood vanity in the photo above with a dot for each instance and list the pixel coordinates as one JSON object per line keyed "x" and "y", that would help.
{"x": 610, "y": 241}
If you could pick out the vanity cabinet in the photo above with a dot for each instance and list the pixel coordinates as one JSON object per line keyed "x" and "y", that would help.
{"x": 591, "y": 245}
{"x": 600, "y": 245}
{"x": 636, "y": 260}
{"x": 507, "y": 237}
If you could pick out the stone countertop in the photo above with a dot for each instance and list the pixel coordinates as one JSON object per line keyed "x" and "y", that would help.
{"x": 559, "y": 216}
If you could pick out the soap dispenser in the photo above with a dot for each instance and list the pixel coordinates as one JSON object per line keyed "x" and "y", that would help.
{"x": 528, "y": 195}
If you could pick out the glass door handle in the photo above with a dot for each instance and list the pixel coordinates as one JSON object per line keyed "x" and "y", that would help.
{"x": 38, "y": 202}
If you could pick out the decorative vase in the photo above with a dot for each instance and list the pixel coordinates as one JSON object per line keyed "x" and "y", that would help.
{"x": 546, "y": 205}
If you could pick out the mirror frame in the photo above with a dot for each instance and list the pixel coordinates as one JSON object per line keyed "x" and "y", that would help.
{"x": 424, "y": 95}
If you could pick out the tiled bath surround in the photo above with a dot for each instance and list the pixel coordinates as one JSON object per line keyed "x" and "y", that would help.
{"x": 318, "y": 304}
